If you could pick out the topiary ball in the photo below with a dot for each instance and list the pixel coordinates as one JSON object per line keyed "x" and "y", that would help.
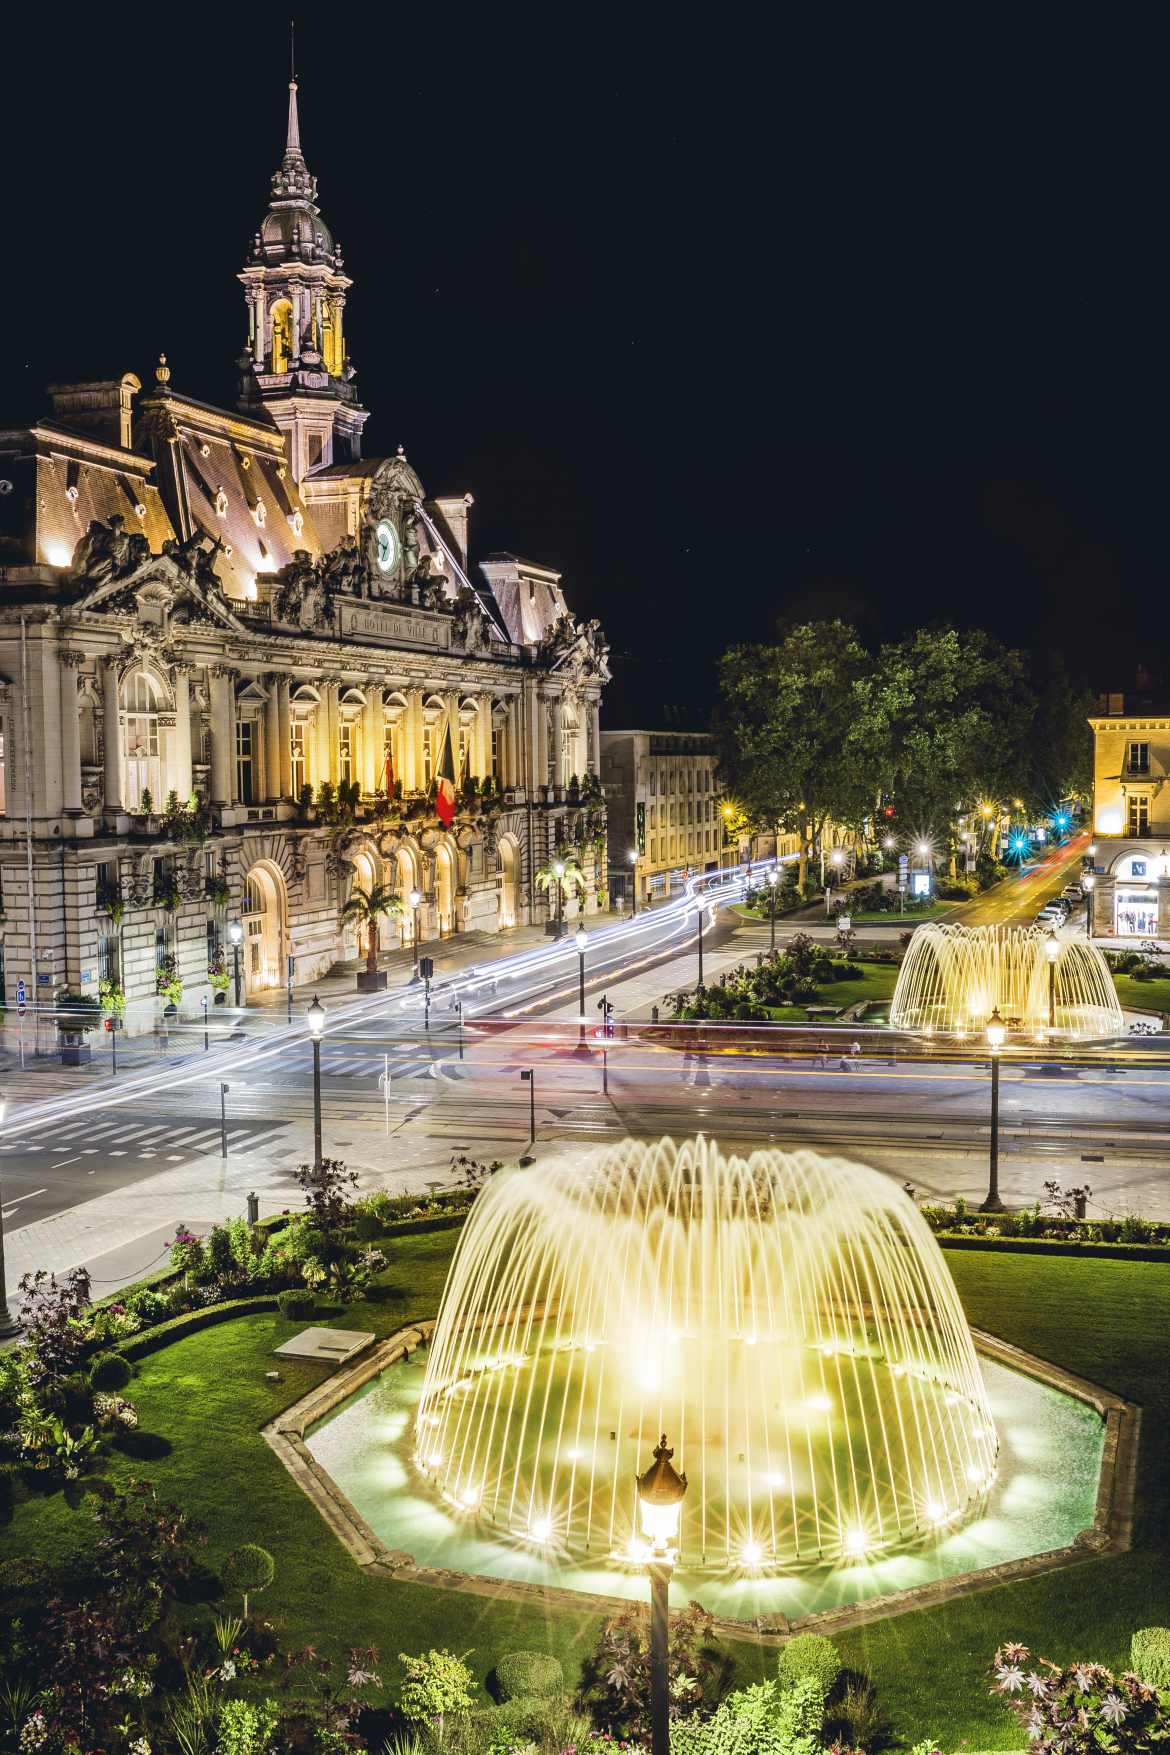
{"x": 298, "y": 1304}
{"x": 809, "y": 1657}
{"x": 1149, "y": 1655}
{"x": 110, "y": 1371}
{"x": 522, "y": 1675}
{"x": 250, "y": 1568}
{"x": 366, "y": 1227}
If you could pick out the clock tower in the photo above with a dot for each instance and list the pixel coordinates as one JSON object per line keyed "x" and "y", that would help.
{"x": 295, "y": 365}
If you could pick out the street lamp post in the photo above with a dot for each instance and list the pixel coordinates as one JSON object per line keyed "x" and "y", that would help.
{"x": 581, "y": 939}
{"x": 702, "y": 907}
{"x": 236, "y": 935}
{"x": 559, "y": 870}
{"x": 315, "y": 1018}
{"x": 634, "y": 863}
{"x": 774, "y": 879}
{"x": 1052, "y": 952}
{"x": 660, "y": 1496}
{"x": 1088, "y": 880}
{"x": 415, "y": 899}
{"x": 9, "y": 1324}
{"x": 995, "y": 1036}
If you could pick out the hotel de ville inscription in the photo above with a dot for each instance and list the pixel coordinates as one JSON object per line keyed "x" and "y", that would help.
{"x": 406, "y": 630}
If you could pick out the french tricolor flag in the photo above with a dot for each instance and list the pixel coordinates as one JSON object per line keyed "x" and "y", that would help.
{"x": 445, "y": 797}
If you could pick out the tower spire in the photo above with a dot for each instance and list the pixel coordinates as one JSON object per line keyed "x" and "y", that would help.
{"x": 294, "y": 131}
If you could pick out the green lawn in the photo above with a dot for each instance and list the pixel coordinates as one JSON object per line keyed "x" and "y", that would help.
{"x": 207, "y": 1397}
{"x": 1143, "y": 996}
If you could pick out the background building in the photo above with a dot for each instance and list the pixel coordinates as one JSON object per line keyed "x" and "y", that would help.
{"x": 1131, "y": 811}
{"x": 208, "y": 616}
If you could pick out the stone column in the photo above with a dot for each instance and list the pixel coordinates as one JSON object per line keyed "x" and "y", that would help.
{"x": 411, "y": 741}
{"x": 321, "y": 732}
{"x": 509, "y": 763}
{"x": 284, "y": 732}
{"x": 183, "y": 782}
{"x": 272, "y": 741}
{"x": 333, "y": 720}
{"x": 371, "y": 714}
{"x": 70, "y": 736}
{"x": 223, "y": 735}
{"x": 113, "y": 734}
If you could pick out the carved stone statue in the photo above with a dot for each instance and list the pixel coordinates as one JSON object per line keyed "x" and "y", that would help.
{"x": 431, "y": 584}
{"x": 107, "y": 552}
{"x": 470, "y": 627}
{"x": 195, "y": 563}
{"x": 300, "y": 596}
{"x": 345, "y": 570}
{"x": 410, "y": 543}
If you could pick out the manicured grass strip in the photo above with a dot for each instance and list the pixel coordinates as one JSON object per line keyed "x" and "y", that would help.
{"x": 205, "y": 1395}
{"x": 1142, "y": 996}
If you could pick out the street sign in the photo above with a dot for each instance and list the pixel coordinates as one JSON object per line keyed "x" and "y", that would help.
{"x": 20, "y": 999}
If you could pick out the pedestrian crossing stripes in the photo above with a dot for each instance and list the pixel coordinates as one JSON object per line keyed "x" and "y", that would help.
{"x": 175, "y": 1143}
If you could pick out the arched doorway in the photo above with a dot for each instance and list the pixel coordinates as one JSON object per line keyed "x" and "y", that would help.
{"x": 506, "y": 881}
{"x": 445, "y": 891}
{"x": 265, "y": 912}
{"x": 405, "y": 880}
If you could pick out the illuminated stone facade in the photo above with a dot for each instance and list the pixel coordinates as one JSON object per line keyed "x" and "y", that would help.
{"x": 236, "y": 605}
{"x": 1131, "y": 814}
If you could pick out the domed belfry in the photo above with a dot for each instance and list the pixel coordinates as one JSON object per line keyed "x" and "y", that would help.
{"x": 295, "y": 365}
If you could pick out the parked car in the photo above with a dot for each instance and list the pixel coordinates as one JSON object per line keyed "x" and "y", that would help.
{"x": 1074, "y": 892}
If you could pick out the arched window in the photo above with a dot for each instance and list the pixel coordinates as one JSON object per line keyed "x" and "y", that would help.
{"x": 282, "y": 347}
{"x": 253, "y": 897}
{"x": 143, "y": 770}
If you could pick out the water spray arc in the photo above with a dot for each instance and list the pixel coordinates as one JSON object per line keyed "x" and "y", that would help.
{"x": 788, "y": 1319}
{"x": 953, "y": 977}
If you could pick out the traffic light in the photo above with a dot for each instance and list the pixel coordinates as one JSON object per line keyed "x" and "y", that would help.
{"x": 606, "y": 1010}
{"x": 426, "y": 968}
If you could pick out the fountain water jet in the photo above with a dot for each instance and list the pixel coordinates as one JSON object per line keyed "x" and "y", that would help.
{"x": 953, "y": 977}
{"x": 788, "y": 1319}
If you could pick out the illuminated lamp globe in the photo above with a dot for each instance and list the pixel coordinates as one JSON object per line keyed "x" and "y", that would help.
{"x": 1088, "y": 880}
{"x": 559, "y": 868}
{"x": 581, "y": 939}
{"x": 774, "y": 876}
{"x": 235, "y": 932}
{"x": 660, "y": 1495}
{"x": 315, "y": 1017}
{"x": 996, "y": 1029}
{"x": 415, "y": 898}
{"x": 1052, "y": 947}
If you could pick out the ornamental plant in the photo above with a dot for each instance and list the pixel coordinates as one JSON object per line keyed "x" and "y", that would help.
{"x": 437, "y": 1683}
{"x": 217, "y": 890}
{"x": 217, "y": 975}
{"x": 109, "y": 897}
{"x": 54, "y": 1318}
{"x": 1079, "y": 1710}
{"x": 166, "y": 892}
{"x": 618, "y": 1672}
{"x": 112, "y": 995}
{"x": 167, "y": 979}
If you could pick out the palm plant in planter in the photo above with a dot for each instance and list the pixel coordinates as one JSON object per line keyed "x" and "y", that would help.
{"x": 365, "y": 908}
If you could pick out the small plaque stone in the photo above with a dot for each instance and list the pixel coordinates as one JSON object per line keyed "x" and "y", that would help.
{"x": 326, "y": 1346}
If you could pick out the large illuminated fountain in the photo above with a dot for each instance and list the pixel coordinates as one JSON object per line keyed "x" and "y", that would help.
{"x": 788, "y": 1320}
{"x": 953, "y": 977}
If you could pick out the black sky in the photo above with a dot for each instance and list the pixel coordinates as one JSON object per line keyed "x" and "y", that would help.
{"x": 731, "y": 314}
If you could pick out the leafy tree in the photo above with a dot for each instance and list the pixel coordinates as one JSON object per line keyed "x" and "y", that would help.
{"x": 329, "y": 1209}
{"x": 437, "y": 1682}
{"x": 53, "y": 1315}
{"x": 794, "y": 732}
{"x": 249, "y": 1568}
{"x": 365, "y": 907}
{"x": 569, "y": 879}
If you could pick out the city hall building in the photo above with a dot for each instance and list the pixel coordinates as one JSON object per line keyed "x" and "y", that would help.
{"x": 231, "y": 651}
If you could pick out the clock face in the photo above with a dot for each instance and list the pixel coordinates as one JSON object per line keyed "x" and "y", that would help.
{"x": 387, "y": 540}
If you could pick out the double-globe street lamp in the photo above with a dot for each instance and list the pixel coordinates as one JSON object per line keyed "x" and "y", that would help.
{"x": 236, "y": 934}
{"x": 581, "y": 939}
{"x": 1088, "y": 881}
{"x": 660, "y": 1495}
{"x": 315, "y": 1018}
{"x": 415, "y": 899}
{"x": 996, "y": 1029}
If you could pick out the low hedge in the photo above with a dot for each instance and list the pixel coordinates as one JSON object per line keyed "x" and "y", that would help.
{"x": 139, "y": 1345}
{"x": 1057, "y": 1246}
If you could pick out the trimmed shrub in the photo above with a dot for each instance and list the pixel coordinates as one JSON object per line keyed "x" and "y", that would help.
{"x": 24, "y": 1581}
{"x": 148, "y": 1306}
{"x": 522, "y": 1674}
{"x": 366, "y": 1227}
{"x": 811, "y": 1656}
{"x": 109, "y": 1371}
{"x": 1149, "y": 1655}
{"x": 249, "y": 1569}
{"x": 297, "y": 1305}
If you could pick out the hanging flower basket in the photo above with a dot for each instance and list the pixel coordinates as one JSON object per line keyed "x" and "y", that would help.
{"x": 166, "y": 892}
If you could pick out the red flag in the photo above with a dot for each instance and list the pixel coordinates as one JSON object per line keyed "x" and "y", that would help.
{"x": 445, "y": 796}
{"x": 389, "y": 770}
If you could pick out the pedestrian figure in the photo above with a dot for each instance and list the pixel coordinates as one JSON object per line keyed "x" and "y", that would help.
{"x": 848, "y": 1061}
{"x": 822, "y": 1055}
{"x": 160, "y": 1034}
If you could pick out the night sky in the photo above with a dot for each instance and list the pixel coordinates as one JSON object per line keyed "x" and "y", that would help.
{"x": 730, "y": 313}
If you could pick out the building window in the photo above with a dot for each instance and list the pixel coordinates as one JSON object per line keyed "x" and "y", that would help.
{"x": 1139, "y": 758}
{"x": 1139, "y": 814}
{"x": 209, "y": 865}
{"x": 107, "y": 959}
{"x": 253, "y": 897}
{"x": 255, "y": 950}
{"x": 495, "y": 757}
{"x": 163, "y": 946}
{"x": 143, "y": 773}
{"x": 387, "y": 775}
{"x": 299, "y": 765}
{"x": 345, "y": 754}
{"x": 463, "y": 768}
{"x": 566, "y": 755}
{"x": 653, "y": 850}
{"x": 3, "y": 780}
{"x": 214, "y": 941}
{"x": 244, "y": 760}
